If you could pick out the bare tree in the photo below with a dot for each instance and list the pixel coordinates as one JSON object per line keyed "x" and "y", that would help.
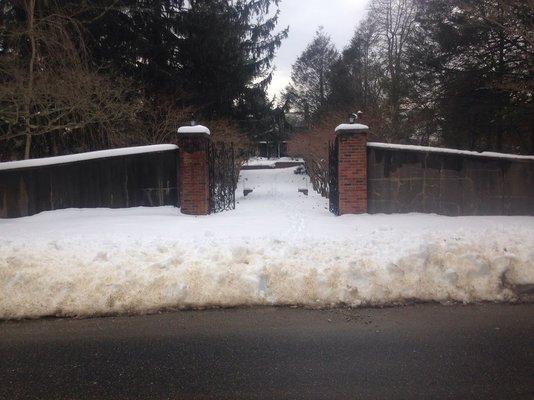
{"x": 159, "y": 120}
{"x": 312, "y": 146}
{"x": 46, "y": 83}
{"x": 394, "y": 21}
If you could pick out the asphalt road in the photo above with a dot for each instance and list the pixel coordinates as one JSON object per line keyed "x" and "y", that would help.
{"x": 415, "y": 352}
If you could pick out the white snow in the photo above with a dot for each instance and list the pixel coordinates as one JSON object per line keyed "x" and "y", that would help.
{"x": 270, "y": 162}
{"x": 194, "y": 129}
{"x": 278, "y": 247}
{"x": 446, "y": 150}
{"x": 344, "y": 127}
{"x": 39, "y": 162}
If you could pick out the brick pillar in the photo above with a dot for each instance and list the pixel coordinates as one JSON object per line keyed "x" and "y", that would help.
{"x": 352, "y": 168}
{"x": 194, "y": 173}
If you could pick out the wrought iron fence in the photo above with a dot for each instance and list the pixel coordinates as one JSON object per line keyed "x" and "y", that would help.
{"x": 222, "y": 176}
{"x": 333, "y": 183}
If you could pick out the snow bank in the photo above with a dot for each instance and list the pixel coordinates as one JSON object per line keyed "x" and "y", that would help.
{"x": 450, "y": 151}
{"x": 39, "y": 162}
{"x": 278, "y": 247}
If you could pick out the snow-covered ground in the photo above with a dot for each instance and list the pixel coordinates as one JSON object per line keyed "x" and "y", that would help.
{"x": 277, "y": 247}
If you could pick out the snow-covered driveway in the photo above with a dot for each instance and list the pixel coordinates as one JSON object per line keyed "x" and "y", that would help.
{"x": 277, "y": 247}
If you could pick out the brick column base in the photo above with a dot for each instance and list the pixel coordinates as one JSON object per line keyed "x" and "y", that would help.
{"x": 352, "y": 168}
{"x": 194, "y": 173}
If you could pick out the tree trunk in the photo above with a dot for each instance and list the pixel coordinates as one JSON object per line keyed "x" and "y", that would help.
{"x": 30, "y": 13}
{"x": 27, "y": 149}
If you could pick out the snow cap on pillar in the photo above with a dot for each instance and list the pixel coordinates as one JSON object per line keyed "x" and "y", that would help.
{"x": 351, "y": 128}
{"x": 194, "y": 129}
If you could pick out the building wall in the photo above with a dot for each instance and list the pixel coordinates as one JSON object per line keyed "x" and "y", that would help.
{"x": 401, "y": 181}
{"x": 144, "y": 179}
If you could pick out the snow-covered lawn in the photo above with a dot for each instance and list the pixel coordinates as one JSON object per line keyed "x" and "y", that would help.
{"x": 277, "y": 247}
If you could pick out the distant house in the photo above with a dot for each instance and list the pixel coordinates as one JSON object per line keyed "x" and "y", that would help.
{"x": 272, "y": 143}
{"x": 271, "y": 149}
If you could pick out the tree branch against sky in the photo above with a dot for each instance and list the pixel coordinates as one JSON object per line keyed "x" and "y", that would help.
{"x": 338, "y": 17}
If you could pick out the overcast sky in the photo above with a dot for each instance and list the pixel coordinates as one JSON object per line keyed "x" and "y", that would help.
{"x": 338, "y": 17}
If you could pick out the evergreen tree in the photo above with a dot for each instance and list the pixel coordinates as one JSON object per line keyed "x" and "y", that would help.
{"x": 355, "y": 78}
{"x": 310, "y": 85}
{"x": 482, "y": 74}
{"x": 212, "y": 56}
{"x": 204, "y": 53}
{"x": 226, "y": 51}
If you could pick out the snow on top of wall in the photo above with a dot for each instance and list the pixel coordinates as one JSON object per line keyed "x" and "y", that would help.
{"x": 39, "y": 162}
{"x": 449, "y": 151}
{"x": 351, "y": 127}
{"x": 194, "y": 129}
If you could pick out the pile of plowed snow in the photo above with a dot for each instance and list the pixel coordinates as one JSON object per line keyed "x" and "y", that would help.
{"x": 278, "y": 247}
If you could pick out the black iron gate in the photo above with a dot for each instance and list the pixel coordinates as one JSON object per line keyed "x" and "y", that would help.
{"x": 333, "y": 183}
{"x": 222, "y": 177}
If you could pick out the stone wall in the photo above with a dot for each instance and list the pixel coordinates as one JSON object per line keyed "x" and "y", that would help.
{"x": 132, "y": 180}
{"x": 405, "y": 180}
